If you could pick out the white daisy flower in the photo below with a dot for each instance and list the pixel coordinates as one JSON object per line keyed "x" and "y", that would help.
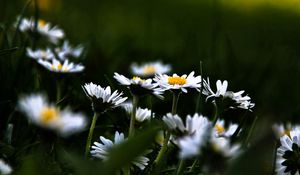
{"x": 142, "y": 114}
{"x": 222, "y": 145}
{"x": 58, "y": 66}
{"x": 67, "y": 50}
{"x": 46, "y": 115}
{"x": 101, "y": 150}
{"x": 288, "y": 154}
{"x": 150, "y": 69}
{"x": 284, "y": 129}
{"x": 221, "y": 131}
{"x": 197, "y": 122}
{"x": 103, "y": 98}
{"x": 53, "y": 33}
{"x": 40, "y": 54}
{"x": 176, "y": 82}
{"x": 139, "y": 86}
{"x": 5, "y": 168}
{"x": 240, "y": 101}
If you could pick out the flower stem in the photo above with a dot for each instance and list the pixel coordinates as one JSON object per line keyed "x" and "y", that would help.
{"x": 159, "y": 158}
{"x": 194, "y": 165}
{"x": 181, "y": 167}
{"x": 58, "y": 91}
{"x": 216, "y": 114}
{"x": 90, "y": 136}
{"x": 133, "y": 115}
{"x": 201, "y": 90}
{"x": 250, "y": 132}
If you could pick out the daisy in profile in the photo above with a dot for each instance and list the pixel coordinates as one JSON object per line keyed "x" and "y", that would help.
{"x": 178, "y": 83}
{"x": 103, "y": 98}
{"x": 150, "y": 69}
{"x": 238, "y": 101}
{"x": 61, "y": 66}
{"x": 139, "y": 86}
{"x": 66, "y": 51}
{"x": 5, "y": 169}
{"x": 288, "y": 154}
{"x": 101, "y": 150}
{"x": 39, "y": 111}
{"x": 40, "y": 54}
{"x": 142, "y": 114}
{"x": 221, "y": 131}
{"x": 53, "y": 33}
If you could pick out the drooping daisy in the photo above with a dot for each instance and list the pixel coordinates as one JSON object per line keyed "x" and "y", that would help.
{"x": 53, "y": 33}
{"x": 5, "y": 169}
{"x": 288, "y": 154}
{"x": 238, "y": 101}
{"x": 39, "y": 111}
{"x": 103, "y": 98}
{"x": 139, "y": 86}
{"x": 67, "y": 51}
{"x": 40, "y": 54}
{"x": 101, "y": 150}
{"x": 176, "y": 82}
{"x": 221, "y": 131}
{"x": 150, "y": 69}
{"x": 61, "y": 66}
{"x": 142, "y": 114}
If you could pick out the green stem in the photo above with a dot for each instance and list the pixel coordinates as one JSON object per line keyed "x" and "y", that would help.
{"x": 194, "y": 165}
{"x": 58, "y": 91}
{"x": 216, "y": 114}
{"x": 163, "y": 150}
{"x": 181, "y": 167}
{"x": 250, "y": 132}
{"x": 90, "y": 136}
{"x": 201, "y": 90}
{"x": 133, "y": 115}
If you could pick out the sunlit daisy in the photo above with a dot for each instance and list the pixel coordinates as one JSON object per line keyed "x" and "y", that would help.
{"x": 101, "y": 150}
{"x": 220, "y": 130}
{"x": 288, "y": 154}
{"x": 53, "y": 33}
{"x": 176, "y": 82}
{"x": 238, "y": 101}
{"x": 103, "y": 98}
{"x": 40, "y": 54}
{"x": 5, "y": 168}
{"x": 61, "y": 66}
{"x": 142, "y": 114}
{"x": 139, "y": 86}
{"x": 39, "y": 111}
{"x": 150, "y": 69}
{"x": 67, "y": 51}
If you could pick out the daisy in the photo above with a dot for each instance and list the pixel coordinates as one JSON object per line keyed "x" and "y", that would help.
{"x": 150, "y": 69}
{"x": 238, "y": 100}
{"x": 193, "y": 124}
{"x": 284, "y": 129}
{"x": 101, "y": 150}
{"x": 103, "y": 98}
{"x": 142, "y": 114}
{"x": 288, "y": 154}
{"x": 53, "y": 33}
{"x": 223, "y": 146}
{"x": 176, "y": 82}
{"x": 67, "y": 51}
{"x": 40, "y": 54}
{"x": 139, "y": 86}
{"x": 46, "y": 115}
{"x": 58, "y": 66}
{"x": 4, "y": 168}
{"x": 221, "y": 131}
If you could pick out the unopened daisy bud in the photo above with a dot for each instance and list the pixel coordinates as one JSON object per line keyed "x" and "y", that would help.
{"x": 39, "y": 111}
{"x": 139, "y": 86}
{"x": 150, "y": 69}
{"x": 103, "y": 99}
{"x": 178, "y": 83}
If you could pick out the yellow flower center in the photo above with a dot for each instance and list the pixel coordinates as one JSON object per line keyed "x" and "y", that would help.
{"x": 149, "y": 70}
{"x": 176, "y": 80}
{"x": 41, "y": 23}
{"x": 220, "y": 129}
{"x": 49, "y": 114}
{"x": 137, "y": 78}
{"x": 287, "y": 132}
{"x": 58, "y": 67}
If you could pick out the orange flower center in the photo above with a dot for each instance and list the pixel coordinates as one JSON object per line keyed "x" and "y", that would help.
{"x": 137, "y": 79}
{"x": 149, "y": 70}
{"x": 176, "y": 80}
{"x": 49, "y": 114}
{"x": 220, "y": 129}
